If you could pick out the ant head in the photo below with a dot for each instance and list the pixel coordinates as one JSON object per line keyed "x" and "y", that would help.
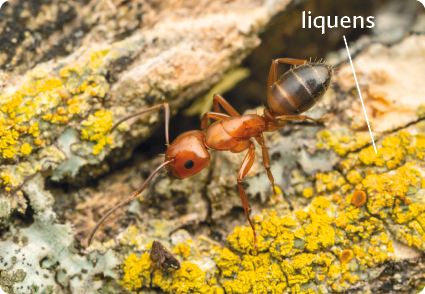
{"x": 189, "y": 155}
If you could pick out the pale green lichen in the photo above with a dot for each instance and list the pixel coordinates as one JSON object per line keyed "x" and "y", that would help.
{"x": 41, "y": 257}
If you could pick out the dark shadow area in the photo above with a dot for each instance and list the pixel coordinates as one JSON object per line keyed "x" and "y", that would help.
{"x": 285, "y": 37}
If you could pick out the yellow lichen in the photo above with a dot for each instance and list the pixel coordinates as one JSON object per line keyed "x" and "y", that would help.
{"x": 182, "y": 250}
{"x": 341, "y": 140}
{"x": 257, "y": 275}
{"x": 228, "y": 262}
{"x": 189, "y": 279}
{"x": 354, "y": 177}
{"x": 308, "y": 193}
{"x": 25, "y": 149}
{"x": 242, "y": 239}
{"x": 342, "y": 234}
{"x": 137, "y": 271}
{"x": 383, "y": 189}
{"x": 33, "y": 130}
{"x": 96, "y": 129}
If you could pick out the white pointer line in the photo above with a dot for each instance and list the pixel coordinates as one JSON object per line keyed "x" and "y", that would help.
{"x": 360, "y": 94}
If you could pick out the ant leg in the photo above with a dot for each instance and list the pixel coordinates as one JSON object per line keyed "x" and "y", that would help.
{"x": 298, "y": 117}
{"x": 275, "y": 63}
{"x": 219, "y": 100}
{"x": 241, "y": 147}
{"x": 266, "y": 163}
{"x": 244, "y": 169}
{"x": 167, "y": 119}
{"x": 213, "y": 115}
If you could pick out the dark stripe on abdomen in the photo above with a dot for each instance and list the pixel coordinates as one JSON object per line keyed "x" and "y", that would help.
{"x": 311, "y": 80}
{"x": 297, "y": 92}
{"x": 281, "y": 100}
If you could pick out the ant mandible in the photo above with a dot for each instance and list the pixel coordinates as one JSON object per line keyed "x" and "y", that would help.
{"x": 293, "y": 93}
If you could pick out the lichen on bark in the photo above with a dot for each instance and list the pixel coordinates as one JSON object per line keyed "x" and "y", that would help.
{"x": 359, "y": 217}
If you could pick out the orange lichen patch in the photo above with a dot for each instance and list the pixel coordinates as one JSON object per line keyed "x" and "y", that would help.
{"x": 61, "y": 111}
{"x": 22, "y": 129}
{"x": 346, "y": 255}
{"x": 359, "y": 198}
{"x": 62, "y": 93}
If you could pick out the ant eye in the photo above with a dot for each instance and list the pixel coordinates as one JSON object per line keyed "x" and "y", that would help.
{"x": 188, "y": 164}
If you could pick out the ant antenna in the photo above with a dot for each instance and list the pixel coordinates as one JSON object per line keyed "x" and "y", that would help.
{"x": 167, "y": 119}
{"x": 136, "y": 194}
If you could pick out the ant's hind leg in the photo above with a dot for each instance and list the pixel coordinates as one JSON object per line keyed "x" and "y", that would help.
{"x": 244, "y": 169}
{"x": 300, "y": 117}
{"x": 304, "y": 118}
{"x": 219, "y": 100}
{"x": 266, "y": 163}
{"x": 275, "y": 63}
{"x": 167, "y": 119}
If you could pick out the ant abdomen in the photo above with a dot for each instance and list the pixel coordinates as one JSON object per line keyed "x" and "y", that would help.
{"x": 299, "y": 89}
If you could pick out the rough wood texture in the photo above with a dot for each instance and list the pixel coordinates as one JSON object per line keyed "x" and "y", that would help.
{"x": 112, "y": 58}
{"x": 56, "y": 116}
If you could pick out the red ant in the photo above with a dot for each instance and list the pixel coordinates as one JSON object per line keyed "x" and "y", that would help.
{"x": 293, "y": 93}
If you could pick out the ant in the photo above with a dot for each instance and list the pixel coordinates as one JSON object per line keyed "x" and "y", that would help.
{"x": 293, "y": 93}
